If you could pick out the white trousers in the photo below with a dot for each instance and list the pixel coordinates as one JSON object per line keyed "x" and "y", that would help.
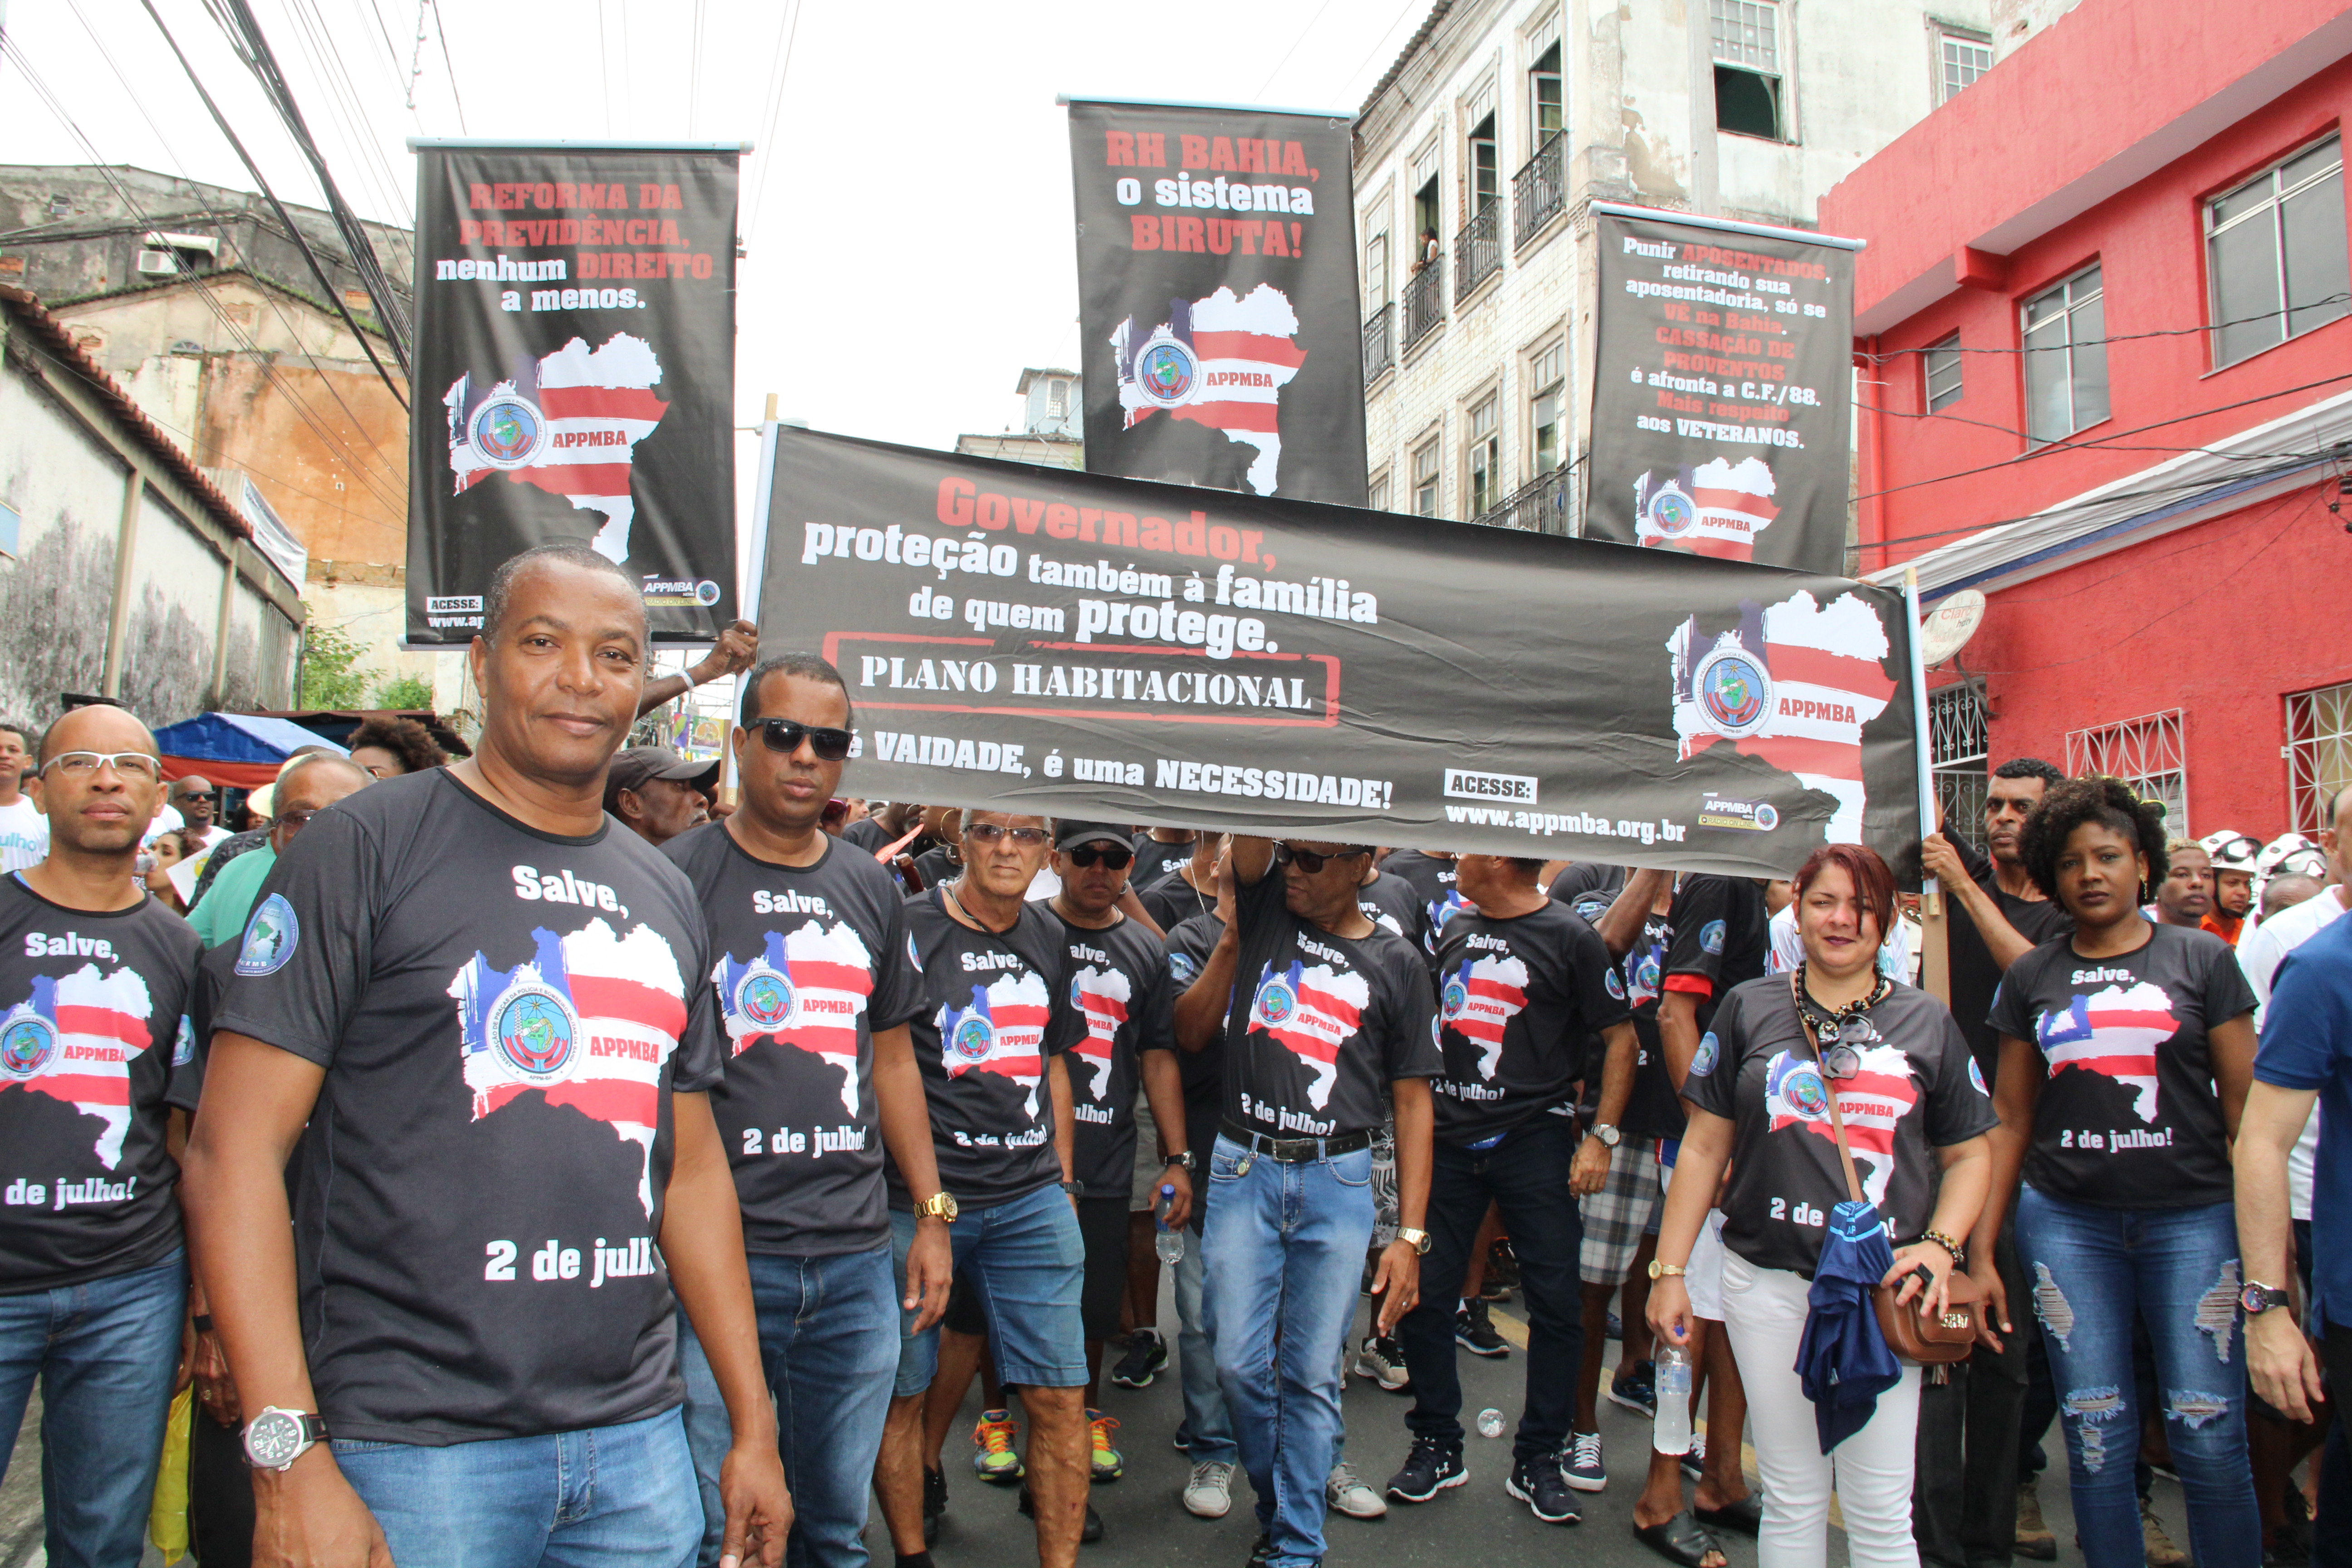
{"x": 1764, "y": 1310}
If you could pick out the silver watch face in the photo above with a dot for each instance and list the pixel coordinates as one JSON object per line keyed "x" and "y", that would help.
{"x": 273, "y": 1440}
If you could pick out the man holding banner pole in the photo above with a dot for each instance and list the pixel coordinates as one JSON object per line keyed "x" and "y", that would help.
{"x": 1328, "y": 1012}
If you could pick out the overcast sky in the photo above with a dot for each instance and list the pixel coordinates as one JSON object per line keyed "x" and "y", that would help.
{"x": 908, "y": 209}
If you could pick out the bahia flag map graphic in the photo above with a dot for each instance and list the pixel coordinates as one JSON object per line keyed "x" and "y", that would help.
{"x": 1220, "y": 361}
{"x": 805, "y": 990}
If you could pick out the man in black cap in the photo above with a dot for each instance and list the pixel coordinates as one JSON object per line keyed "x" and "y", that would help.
{"x": 658, "y": 793}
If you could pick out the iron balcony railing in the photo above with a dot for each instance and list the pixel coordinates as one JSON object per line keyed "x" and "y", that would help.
{"x": 1539, "y": 190}
{"x": 1424, "y": 301}
{"x": 1380, "y": 355}
{"x": 1478, "y": 249}
{"x": 1551, "y": 503}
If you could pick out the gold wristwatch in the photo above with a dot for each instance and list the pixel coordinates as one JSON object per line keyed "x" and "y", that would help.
{"x": 1663, "y": 1270}
{"x": 1416, "y": 1239}
{"x": 939, "y": 1205}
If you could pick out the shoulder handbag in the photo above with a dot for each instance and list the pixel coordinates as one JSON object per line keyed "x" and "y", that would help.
{"x": 1948, "y": 1336}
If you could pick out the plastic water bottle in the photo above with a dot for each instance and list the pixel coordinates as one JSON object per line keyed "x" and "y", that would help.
{"x": 1671, "y": 1433}
{"x": 1490, "y": 1423}
{"x": 1168, "y": 1244}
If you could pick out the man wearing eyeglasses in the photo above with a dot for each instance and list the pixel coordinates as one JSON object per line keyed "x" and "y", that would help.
{"x": 94, "y": 983}
{"x": 815, "y": 986}
{"x": 1328, "y": 1012}
{"x": 196, "y": 799}
{"x": 997, "y": 1021}
{"x": 314, "y": 784}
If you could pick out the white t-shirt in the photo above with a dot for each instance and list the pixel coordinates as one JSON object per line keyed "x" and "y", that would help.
{"x": 24, "y": 835}
{"x": 167, "y": 820}
{"x": 2260, "y": 954}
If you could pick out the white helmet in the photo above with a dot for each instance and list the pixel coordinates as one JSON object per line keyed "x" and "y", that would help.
{"x": 2231, "y": 850}
{"x": 2274, "y": 856}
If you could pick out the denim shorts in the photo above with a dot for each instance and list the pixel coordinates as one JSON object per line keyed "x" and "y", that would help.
{"x": 1025, "y": 1260}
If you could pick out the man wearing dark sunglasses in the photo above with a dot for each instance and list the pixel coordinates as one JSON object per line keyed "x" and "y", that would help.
{"x": 991, "y": 1041}
{"x": 1327, "y": 1013}
{"x": 1119, "y": 977}
{"x": 196, "y": 799}
{"x": 816, "y": 987}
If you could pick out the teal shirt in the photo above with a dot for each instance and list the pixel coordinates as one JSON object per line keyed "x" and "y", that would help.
{"x": 220, "y": 917}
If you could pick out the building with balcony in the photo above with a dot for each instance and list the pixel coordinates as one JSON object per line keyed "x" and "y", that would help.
{"x": 1052, "y": 423}
{"x": 2103, "y": 313}
{"x": 1476, "y": 157}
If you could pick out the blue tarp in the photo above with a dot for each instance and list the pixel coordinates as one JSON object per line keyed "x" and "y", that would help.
{"x": 238, "y": 738}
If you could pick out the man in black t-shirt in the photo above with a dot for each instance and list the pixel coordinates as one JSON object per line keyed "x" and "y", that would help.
{"x": 477, "y": 1001}
{"x": 1188, "y": 891}
{"x": 1965, "y": 1502}
{"x": 1431, "y": 876}
{"x": 997, "y": 1022}
{"x": 97, "y": 1066}
{"x": 1521, "y": 982}
{"x": 887, "y": 825}
{"x": 1159, "y": 852}
{"x": 815, "y": 988}
{"x": 1326, "y": 1010}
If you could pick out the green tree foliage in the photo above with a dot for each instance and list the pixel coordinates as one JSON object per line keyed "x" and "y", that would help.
{"x": 330, "y": 674}
{"x": 405, "y": 692}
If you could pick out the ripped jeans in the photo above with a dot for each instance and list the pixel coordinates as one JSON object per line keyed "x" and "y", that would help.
{"x": 2088, "y": 1268}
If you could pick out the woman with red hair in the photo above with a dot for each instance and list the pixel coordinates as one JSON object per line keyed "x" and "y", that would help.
{"x": 1784, "y": 1049}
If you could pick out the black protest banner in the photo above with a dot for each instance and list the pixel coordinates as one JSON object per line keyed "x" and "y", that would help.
{"x": 1217, "y": 299}
{"x": 575, "y": 374}
{"x": 1720, "y": 403}
{"x": 1036, "y": 641}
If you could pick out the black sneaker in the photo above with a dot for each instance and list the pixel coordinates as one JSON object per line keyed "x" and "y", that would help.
{"x": 1637, "y": 1390}
{"x": 1260, "y": 1549}
{"x": 935, "y": 1503}
{"x": 1146, "y": 1355}
{"x": 1540, "y": 1483}
{"x": 1429, "y": 1469}
{"x": 1091, "y": 1532}
{"x": 1474, "y": 1331}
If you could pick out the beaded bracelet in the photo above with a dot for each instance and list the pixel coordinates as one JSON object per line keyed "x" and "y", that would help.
{"x": 1959, "y": 1254}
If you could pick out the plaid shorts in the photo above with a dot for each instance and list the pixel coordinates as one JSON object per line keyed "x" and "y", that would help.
{"x": 1616, "y": 1217}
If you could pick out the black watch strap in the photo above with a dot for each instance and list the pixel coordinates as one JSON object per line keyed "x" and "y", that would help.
{"x": 1186, "y": 1158}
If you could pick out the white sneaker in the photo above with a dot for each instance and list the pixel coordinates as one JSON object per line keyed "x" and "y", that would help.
{"x": 1210, "y": 1493}
{"x": 1346, "y": 1493}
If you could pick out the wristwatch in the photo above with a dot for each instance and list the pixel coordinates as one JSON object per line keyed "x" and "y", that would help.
{"x": 1074, "y": 1189}
{"x": 1186, "y": 1158}
{"x": 275, "y": 1438}
{"x": 939, "y": 1205}
{"x": 1608, "y": 1134}
{"x": 2258, "y": 1299}
{"x": 1666, "y": 1270}
{"x": 1416, "y": 1239}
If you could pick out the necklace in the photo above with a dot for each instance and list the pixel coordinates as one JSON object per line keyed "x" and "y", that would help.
{"x": 948, "y": 889}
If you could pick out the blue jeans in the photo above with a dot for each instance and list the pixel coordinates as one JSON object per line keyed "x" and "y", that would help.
{"x": 609, "y": 1496}
{"x": 1527, "y": 1174}
{"x": 2090, "y": 1269}
{"x": 104, "y": 1353}
{"x": 1284, "y": 1259}
{"x": 828, "y": 1345}
{"x": 1026, "y": 1261}
{"x": 1207, "y": 1423}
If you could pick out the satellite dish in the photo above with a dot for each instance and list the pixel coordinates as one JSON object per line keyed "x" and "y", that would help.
{"x": 1949, "y": 625}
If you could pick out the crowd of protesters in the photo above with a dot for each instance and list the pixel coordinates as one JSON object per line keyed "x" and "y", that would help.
{"x": 539, "y": 1156}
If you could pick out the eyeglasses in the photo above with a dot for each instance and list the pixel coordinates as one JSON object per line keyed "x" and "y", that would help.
{"x": 1308, "y": 860}
{"x": 296, "y": 820}
{"x": 785, "y": 736}
{"x": 1117, "y": 857}
{"x": 82, "y": 764}
{"x": 989, "y": 832}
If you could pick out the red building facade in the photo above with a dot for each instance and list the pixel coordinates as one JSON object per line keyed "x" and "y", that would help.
{"x": 2104, "y": 331}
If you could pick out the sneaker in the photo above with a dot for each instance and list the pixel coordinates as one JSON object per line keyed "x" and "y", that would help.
{"x": 1089, "y": 1532}
{"x": 1637, "y": 1391}
{"x": 1616, "y": 1330}
{"x": 1108, "y": 1465}
{"x": 1541, "y": 1485}
{"x": 1583, "y": 1465}
{"x": 935, "y": 1503}
{"x": 1182, "y": 1441}
{"x": 2161, "y": 1552}
{"x": 1345, "y": 1492}
{"x": 1261, "y": 1550}
{"x": 996, "y": 1459}
{"x": 1474, "y": 1331}
{"x": 1146, "y": 1355}
{"x": 1210, "y": 1493}
{"x": 1383, "y": 1361}
{"x": 1430, "y": 1469}
{"x": 2034, "y": 1538}
{"x": 1695, "y": 1461}
{"x": 1502, "y": 1268}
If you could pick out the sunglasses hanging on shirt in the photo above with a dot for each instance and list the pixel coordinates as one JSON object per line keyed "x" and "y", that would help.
{"x": 1841, "y": 1034}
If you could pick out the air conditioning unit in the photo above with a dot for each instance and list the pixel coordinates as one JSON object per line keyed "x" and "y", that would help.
{"x": 159, "y": 262}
